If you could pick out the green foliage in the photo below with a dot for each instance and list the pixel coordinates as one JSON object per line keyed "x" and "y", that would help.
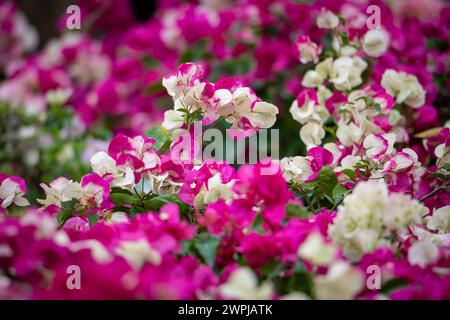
{"x": 203, "y": 246}
{"x": 155, "y": 203}
{"x": 339, "y": 192}
{"x": 350, "y": 173}
{"x": 161, "y": 136}
{"x": 299, "y": 281}
{"x": 65, "y": 213}
{"x": 295, "y": 210}
{"x": 326, "y": 181}
{"x": 206, "y": 245}
{"x": 393, "y": 284}
{"x": 92, "y": 219}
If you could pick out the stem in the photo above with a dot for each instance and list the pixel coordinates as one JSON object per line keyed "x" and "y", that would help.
{"x": 337, "y": 204}
{"x": 444, "y": 187}
{"x": 221, "y": 118}
{"x": 137, "y": 194}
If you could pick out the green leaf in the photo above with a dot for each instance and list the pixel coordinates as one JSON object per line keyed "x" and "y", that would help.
{"x": 154, "y": 204}
{"x": 206, "y": 245}
{"x": 271, "y": 270}
{"x": 63, "y": 216}
{"x": 160, "y": 135}
{"x": 377, "y": 107}
{"x": 300, "y": 281}
{"x": 435, "y": 43}
{"x": 122, "y": 198}
{"x": 120, "y": 190}
{"x": 339, "y": 192}
{"x": 121, "y": 209}
{"x": 345, "y": 39}
{"x": 326, "y": 181}
{"x": 134, "y": 211}
{"x": 438, "y": 175}
{"x": 92, "y": 219}
{"x": 393, "y": 284}
{"x": 295, "y": 210}
{"x": 66, "y": 212}
{"x": 350, "y": 173}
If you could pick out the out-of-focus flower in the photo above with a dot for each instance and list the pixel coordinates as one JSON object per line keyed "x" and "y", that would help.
{"x": 12, "y": 190}
{"x": 342, "y": 282}
{"x": 317, "y": 251}
{"x": 243, "y": 284}
{"x": 423, "y": 253}
{"x": 370, "y": 215}
{"x": 327, "y": 19}
{"x": 375, "y": 42}
{"x": 308, "y": 51}
{"x": 440, "y": 220}
{"x": 405, "y": 87}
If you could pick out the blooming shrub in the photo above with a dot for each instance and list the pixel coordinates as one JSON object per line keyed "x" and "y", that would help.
{"x": 93, "y": 126}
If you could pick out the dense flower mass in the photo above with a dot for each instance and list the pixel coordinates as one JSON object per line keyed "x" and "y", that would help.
{"x": 105, "y": 192}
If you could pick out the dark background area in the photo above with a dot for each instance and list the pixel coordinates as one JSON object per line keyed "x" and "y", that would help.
{"x": 44, "y": 14}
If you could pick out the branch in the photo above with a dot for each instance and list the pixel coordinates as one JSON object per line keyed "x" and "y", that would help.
{"x": 444, "y": 187}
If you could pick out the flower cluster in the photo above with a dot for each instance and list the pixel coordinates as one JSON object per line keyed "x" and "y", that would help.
{"x": 195, "y": 98}
{"x": 95, "y": 121}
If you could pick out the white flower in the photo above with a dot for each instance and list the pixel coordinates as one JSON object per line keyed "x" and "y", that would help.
{"x": 368, "y": 217}
{"x": 263, "y": 115}
{"x": 312, "y": 79}
{"x": 346, "y": 72}
{"x": 138, "y": 252}
{"x": 375, "y": 42}
{"x": 405, "y": 87}
{"x": 60, "y": 190}
{"x": 402, "y": 211}
{"x": 377, "y": 145}
{"x": 102, "y": 163}
{"x": 243, "y": 284}
{"x": 295, "y": 295}
{"x": 349, "y": 133}
{"x": 296, "y": 169}
{"x": 224, "y": 99}
{"x": 327, "y": 19}
{"x": 216, "y": 190}
{"x": 316, "y": 250}
{"x": 58, "y": 96}
{"x": 440, "y": 239}
{"x": 304, "y": 112}
{"x": 173, "y": 119}
{"x": 442, "y": 153}
{"x": 180, "y": 84}
{"x": 308, "y": 50}
{"x": 10, "y": 192}
{"x": 440, "y": 220}
{"x": 242, "y": 103}
{"x": 117, "y": 217}
{"x": 99, "y": 253}
{"x": 335, "y": 149}
{"x": 423, "y": 253}
{"x": 342, "y": 282}
{"x": 312, "y": 134}
{"x": 307, "y": 106}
